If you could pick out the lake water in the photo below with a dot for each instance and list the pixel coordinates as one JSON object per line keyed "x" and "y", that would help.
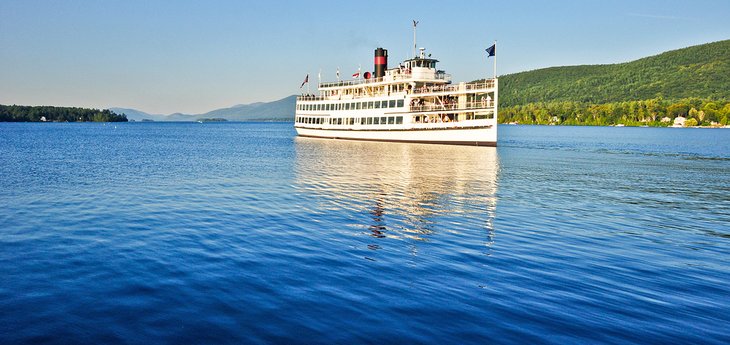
{"x": 243, "y": 233}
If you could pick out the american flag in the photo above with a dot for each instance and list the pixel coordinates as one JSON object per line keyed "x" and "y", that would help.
{"x": 306, "y": 80}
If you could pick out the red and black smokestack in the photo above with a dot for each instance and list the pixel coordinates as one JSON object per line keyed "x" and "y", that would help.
{"x": 381, "y": 62}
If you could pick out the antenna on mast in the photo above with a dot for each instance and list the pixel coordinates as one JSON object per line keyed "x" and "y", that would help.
{"x": 415, "y": 22}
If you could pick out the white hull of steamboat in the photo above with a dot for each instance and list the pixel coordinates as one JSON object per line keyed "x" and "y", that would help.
{"x": 412, "y": 103}
{"x": 472, "y": 135}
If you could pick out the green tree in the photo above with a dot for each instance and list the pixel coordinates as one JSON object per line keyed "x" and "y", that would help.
{"x": 692, "y": 113}
{"x": 678, "y": 109}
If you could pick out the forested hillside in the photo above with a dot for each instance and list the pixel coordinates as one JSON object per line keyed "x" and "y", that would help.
{"x": 692, "y": 82}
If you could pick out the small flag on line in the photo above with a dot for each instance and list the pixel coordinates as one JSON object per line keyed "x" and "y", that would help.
{"x": 306, "y": 80}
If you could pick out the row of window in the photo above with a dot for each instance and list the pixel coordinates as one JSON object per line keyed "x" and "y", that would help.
{"x": 393, "y": 103}
{"x": 376, "y": 120}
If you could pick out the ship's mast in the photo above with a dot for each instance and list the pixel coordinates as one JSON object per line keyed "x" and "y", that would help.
{"x": 495, "y": 59}
{"x": 415, "y": 22}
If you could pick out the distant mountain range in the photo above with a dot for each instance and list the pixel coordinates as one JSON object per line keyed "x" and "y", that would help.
{"x": 280, "y": 110}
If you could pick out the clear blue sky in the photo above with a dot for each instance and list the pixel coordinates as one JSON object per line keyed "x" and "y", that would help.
{"x": 195, "y": 56}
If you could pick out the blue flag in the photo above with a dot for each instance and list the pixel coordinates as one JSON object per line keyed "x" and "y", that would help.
{"x": 491, "y": 51}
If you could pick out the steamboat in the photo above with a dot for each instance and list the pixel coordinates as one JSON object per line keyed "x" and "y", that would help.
{"x": 414, "y": 102}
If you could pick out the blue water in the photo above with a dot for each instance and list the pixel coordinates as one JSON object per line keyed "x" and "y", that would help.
{"x": 242, "y": 233}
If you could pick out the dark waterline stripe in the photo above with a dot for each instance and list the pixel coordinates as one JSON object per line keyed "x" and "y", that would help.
{"x": 462, "y": 143}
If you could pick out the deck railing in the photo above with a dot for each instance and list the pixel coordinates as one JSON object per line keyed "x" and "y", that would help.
{"x": 311, "y": 98}
{"x": 395, "y": 77}
{"x": 487, "y": 84}
{"x": 486, "y": 104}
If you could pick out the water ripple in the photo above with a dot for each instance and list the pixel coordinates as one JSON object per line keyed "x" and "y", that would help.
{"x": 243, "y": 233}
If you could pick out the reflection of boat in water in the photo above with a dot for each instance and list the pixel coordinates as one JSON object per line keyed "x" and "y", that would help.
{"x": 400, "y": 190}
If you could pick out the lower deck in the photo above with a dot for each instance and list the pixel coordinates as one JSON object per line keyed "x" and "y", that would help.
{"x": 397, "y": 121}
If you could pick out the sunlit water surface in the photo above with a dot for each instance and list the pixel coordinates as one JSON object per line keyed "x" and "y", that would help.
{"x": 243, "y": 233}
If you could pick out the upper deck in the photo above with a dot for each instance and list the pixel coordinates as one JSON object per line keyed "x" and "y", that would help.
{"x": 392, "y": 76}
{"x": 419, "y": 70}
{"x": 413, "y": 78}
{"x": 425, "y": 90}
